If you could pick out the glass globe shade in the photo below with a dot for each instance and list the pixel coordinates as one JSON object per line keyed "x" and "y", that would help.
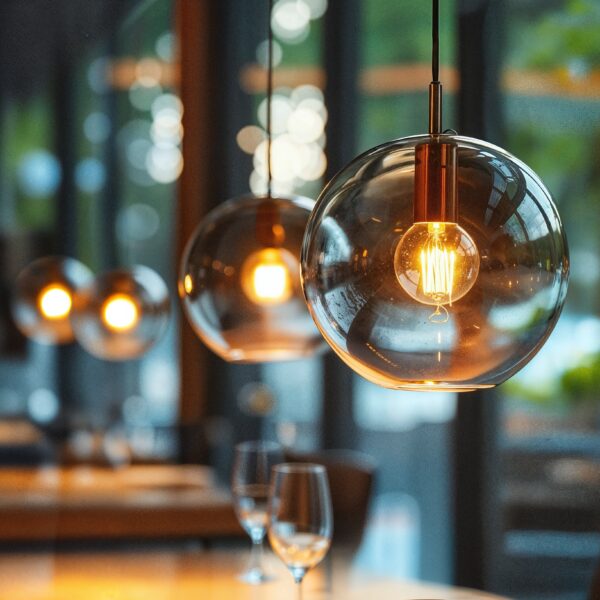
{"x": 366, "y": 285}
{"x": 122, "y": 313}
{"x": 43, "y": 298}
{"x": 240, "y": 280}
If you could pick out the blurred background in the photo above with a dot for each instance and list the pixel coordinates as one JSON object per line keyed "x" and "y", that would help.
{"x": 102, "y": 105}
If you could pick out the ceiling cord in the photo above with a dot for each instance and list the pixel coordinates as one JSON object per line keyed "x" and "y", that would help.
{"x": 269, "y": 97}
{"x": 435, "y": 87}
{"x": 435, "y": 34}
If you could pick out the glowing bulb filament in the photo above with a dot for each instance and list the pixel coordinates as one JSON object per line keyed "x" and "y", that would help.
{"x": 120, "y": 312}
{"x": 437, "y": 272}
{"x": 55, "y": 302}
{"x": 267, "y": 276}
{"x": 436, "y": 263}
{"x": 271, "y": 283}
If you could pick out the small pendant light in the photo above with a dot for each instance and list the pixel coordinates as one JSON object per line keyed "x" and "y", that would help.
{"x": 43, "y": 298}
{"x": 121, "y": 314}
{"x": 240, "y": 272}
{"x": 117, "y": 315}
{"x": 435, "y": 262}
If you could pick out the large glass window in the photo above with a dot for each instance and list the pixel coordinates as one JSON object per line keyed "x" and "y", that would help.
{"x": 90, "y": 158}
{"x": 550, "y": 411}
{"x": 405, "y": 431}
{"x": 31, "y": 178}
{"x": 128, "y": 134}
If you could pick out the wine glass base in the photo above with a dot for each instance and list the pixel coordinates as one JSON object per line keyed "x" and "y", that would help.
{"x": 255, "y": 577}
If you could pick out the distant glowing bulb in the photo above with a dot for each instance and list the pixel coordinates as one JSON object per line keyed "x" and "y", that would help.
{"x": 436, "y": 264}
{"x": 270, "y": 282}
{"x": 188, "y": 284}
{"x": 120, "y": 312}
{"x": 267, "y": 276}
{"x": 55, "y": 301}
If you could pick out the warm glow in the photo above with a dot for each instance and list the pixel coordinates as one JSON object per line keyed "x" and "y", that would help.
{"x": 436, "y": 264}
{"x": 270, "y": 282}
{"x": 120, "y": 312}
{"x": 55, "y": 301}
{"x": 266, "y": 276}
{"x": 437, "y": 267}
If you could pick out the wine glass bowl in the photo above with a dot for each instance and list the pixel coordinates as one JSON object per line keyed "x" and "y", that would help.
{"x": 251, "y": 509}
{"x": 300, "y": 516}
{"x": 250, "y": 478}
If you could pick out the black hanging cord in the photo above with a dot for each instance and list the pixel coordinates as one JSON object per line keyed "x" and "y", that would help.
{"x": 435, "y": 87}
{"x": 435, "y": 34}
{"x": 269, "y": 97}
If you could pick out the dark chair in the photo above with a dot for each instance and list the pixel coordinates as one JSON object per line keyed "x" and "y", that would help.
{"x": 351, "y": 477}
{"x": 594, "y": 593}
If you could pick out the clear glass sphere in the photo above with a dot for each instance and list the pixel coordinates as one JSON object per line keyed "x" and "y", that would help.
{"x": 122, "y": 313}
{"x": 364, "y": 284}
{"x": 240, "y": 280}
{"x": 43, "y": 298}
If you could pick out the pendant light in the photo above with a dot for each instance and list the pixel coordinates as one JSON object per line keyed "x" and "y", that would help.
{"x": 240, "y": 272}
{"x": 43, "y": 298}
{"x": 121, "y": 314}
{"x": 435, "y": 262}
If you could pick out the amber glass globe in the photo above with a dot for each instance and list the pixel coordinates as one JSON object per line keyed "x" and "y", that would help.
{"x": 121, "y": 314}
{"x": 240, "y": 280}
{"x": 366, "y": 271}
{"x": 43, "y": 298}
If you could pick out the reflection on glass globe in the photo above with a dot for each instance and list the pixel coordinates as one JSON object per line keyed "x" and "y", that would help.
{"x": 43, "y": 298}
{"x": 497, "y": 280}
{"x": 122, "y": 313}
{"x": 240, "y": 280}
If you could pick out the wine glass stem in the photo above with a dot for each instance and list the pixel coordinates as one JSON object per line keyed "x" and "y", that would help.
{"x": 256, "y": 555}
{"x": 298, "y": 589}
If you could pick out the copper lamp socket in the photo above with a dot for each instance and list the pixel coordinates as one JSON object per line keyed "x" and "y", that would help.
{"x": 435, "y": 182}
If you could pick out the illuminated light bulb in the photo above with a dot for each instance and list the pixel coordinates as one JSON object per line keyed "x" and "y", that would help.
{"x": 120, "y": 312}
{"x": 239, "y": 281}
{"x": 270, "y": 283}
{"x": 267, "y": 276}
{"x": 437, "y": 264}
{"x": 43, "y": 298}
{"x": 55, "y": 302}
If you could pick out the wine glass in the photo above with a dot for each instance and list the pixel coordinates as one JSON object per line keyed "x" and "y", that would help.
{"x": 250, "y": 485}
{"x": 300, "y": 517}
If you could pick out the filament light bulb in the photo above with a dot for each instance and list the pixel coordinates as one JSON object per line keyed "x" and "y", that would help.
{"x": 55, "y": 302}
{"x": 267, "y": 276}
{"x": 436, "y": 263}
{"x": 120, "y": 312}
{"x": 44, "y": 298}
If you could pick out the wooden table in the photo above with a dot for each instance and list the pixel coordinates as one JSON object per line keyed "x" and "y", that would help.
{"x": 86, "y": 503}
{"x": 192, "y": 574}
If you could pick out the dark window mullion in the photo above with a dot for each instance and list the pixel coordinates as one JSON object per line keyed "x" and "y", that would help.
{"x": 341, "y": 52}
{"x": 476, "y": 522}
